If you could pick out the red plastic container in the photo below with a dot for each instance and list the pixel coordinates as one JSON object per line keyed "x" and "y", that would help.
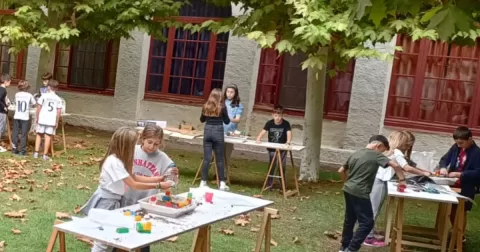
{"x": 401, "y": 188}
{"x": 209, "y": 197}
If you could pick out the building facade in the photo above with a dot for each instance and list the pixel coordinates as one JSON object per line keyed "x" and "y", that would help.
{"x": 430, "y": 87}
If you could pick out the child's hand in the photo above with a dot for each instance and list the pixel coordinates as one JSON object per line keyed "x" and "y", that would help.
{"x": 175, "y": 171}
{"x": 402, "y": 182}
{"x": 259, "y": 141}
{"x": 427, "y": 174}
{"x": 443, "y": 172}
{"x": 454, "y": 174}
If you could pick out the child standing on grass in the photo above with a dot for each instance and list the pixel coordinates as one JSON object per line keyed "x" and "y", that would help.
{"x": 21, "y": 119}
{"x": 279, "y": 131}
{"x": 400, "y": 142}
{"x": 5, "y": 82}
{"x": 214, "y": 115}
{"x": 116, "y": 172}
{"x": 149, "y": 161}
{"x": 49, "y": 108}
{"x": 359, "y": 175}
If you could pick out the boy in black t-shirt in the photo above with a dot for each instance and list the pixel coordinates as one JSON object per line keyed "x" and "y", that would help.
{"x": 5, "y": 82}
{"x": 279, "y": 131}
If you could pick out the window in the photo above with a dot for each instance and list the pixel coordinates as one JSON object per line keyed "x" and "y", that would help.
{"x": 15, "y": 65}
{"x": 434, "y": 86}
{"x": 87, "y": 66}
{"x": 281, "y": 81}
{"x": 188, "y": 65}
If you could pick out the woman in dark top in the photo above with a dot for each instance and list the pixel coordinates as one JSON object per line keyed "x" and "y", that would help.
{"x": 214, "y": 115}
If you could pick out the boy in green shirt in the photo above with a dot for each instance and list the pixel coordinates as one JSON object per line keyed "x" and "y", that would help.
{"x": 360, "y": 171}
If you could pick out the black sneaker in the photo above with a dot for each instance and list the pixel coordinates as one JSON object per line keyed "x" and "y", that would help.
{"x": 15, "y": 151}
{"x": 22, "y": 153}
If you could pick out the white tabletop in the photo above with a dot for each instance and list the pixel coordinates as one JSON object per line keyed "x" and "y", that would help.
{"x": 165, "y": 228}
{"x": 410, "y": 194}
{"x": 291, "y": 147}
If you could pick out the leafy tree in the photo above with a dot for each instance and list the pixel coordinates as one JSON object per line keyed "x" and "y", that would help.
{"x": 43, "y": 23}
{"x": 339, "y": 30}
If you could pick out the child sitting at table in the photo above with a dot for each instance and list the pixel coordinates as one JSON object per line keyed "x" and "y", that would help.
{"x": 362, "y": 167}
{"x": 279, "y": 131}
{"x": 462, "y": 161}
{"x": 116, "y": 173}
{"x": 150, "y": 161}
{"x": 400, "y": 142}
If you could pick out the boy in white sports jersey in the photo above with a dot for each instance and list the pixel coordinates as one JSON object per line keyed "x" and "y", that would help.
{"x": 48, "y": 113}
{"x": 21, "y": 120}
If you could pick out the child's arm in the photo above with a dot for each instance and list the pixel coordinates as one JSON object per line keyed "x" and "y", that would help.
{"x": 59, "y": 112}
{"x": 39, "y": 107}
{"x": 262, "y": 133}
{"x": 136, "y": 185}
{"x": 398, "y": 170}
{"x": 343, "y": 173}
{"x": 444, "y": 161}
{"x": 289, "y": 137}
{"x": 145, "y": 179}
{"x": 416, "y": 171}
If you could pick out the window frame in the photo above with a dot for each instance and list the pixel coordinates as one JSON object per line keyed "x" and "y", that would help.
{"x": 66, "y": 86}
{"x": 164, "y": 96}
{"x": 413, "y": 121}
{"x": 266, "y": 107}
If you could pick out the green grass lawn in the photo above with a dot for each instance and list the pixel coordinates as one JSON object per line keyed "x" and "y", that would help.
{"x": 43, "y": 192}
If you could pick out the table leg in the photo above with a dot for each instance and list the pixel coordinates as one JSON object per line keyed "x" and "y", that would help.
{"x": 265, "y": 230}
{"x": 201, "y": 241}
{"x": 390, "y": 212}
{"x": 398, "y": 230}
{"x": 198, "y": 173}
{"x": 282, "y": 176}
{"x": 61, "y": 238}
{"x": 457, "y": 231}
{"x": 268, "y": 173}
{"x": 228, "y": 153}
{"x": 9, "y": 131}
{"x": 63, "y": 136}
{"x": 294, "y": 173}
{"x": 445, "y": 227}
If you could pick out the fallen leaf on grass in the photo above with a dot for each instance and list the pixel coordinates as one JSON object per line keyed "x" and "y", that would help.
{"x": 304, "y": 198}
{"x": 172, "y": 239}
{"x": 275, "y": 216}
{"x": 8, "y": 189}
{"x": 292, "y": 209}
{"x": 226, "y": 231}
{"x": 337, "y": 193}
{"x": 254, "y": 229}
{"x": 82, "y": 187}
{"x": 96, "y": 159}
{"x": 330, "y": 235}
{"x": 23, "y": 220}
{"x": 57, "y": 167}
{"x": 48, "y": 171}
{"x": 334, "y": 181}
{"x": 259, "y": 196}
{"x": 45, "y": 187}
{"x": 85, "y": 240}
{"x": 273, "y": 243}
{"x": 19, "y": 214}
{"x": 15, "y": 198}
{"x": 299, "y": 218}
{"x": 295, "y": 240}
{"x": 77, "y": 209}
{"x": 31, "y": 188}
{"x": 242, "y": 220}
{"x": 2, "y": 245}
{"x": 16, "y": 231}
{"x": 60, "y": 184}
{"x": 61, "y": 215}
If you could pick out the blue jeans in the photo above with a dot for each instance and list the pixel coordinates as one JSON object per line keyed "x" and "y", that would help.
{"x": 271, "y": 155}
{"x": 213, "y": 140}
{"x": 20, "y": 127}
{"x": 356, "y": 209}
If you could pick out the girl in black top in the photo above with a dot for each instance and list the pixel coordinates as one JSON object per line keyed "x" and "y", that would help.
{"x": 214, "y": 115}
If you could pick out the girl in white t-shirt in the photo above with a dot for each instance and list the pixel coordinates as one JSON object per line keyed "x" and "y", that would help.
{"x": 116, "y": 176}
{"x": 400, "y": 144}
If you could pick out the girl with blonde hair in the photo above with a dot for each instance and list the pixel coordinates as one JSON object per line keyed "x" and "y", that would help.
{"x": 214, "y": 115}
{"x": 116, "y": 173}
{"x": 400, "y": 143}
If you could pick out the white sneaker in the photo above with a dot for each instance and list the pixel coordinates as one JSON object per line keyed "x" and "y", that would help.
{"x": 223, "y": 186}
{"x": 35, "y": 155}
{"x": 2, "y": 149}
{"x": 203, "y": 183}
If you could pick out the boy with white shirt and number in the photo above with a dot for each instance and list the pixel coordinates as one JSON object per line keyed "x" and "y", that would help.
{"x": 21, "y": 119}
{"x": 48, "y": 113}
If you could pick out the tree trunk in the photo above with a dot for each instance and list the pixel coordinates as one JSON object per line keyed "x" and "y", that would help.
{"x": 312, "y": 132}
{"x": 45, "y": 64}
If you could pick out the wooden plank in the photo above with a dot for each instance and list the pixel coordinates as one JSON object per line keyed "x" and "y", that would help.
{"x": 268, "y": 173}
{"x": 389, "y": 218}
{"x": 425, "y": 240}
{"x": 445, "y": 227}
{"x": 282, "y": 176}
{"x": 261, "y": 233}
{"x": 420, "y": 230}
{"x": 419, "y": 244}
{"x": 61, "y": 238}
{"x": 294, "y": 173}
